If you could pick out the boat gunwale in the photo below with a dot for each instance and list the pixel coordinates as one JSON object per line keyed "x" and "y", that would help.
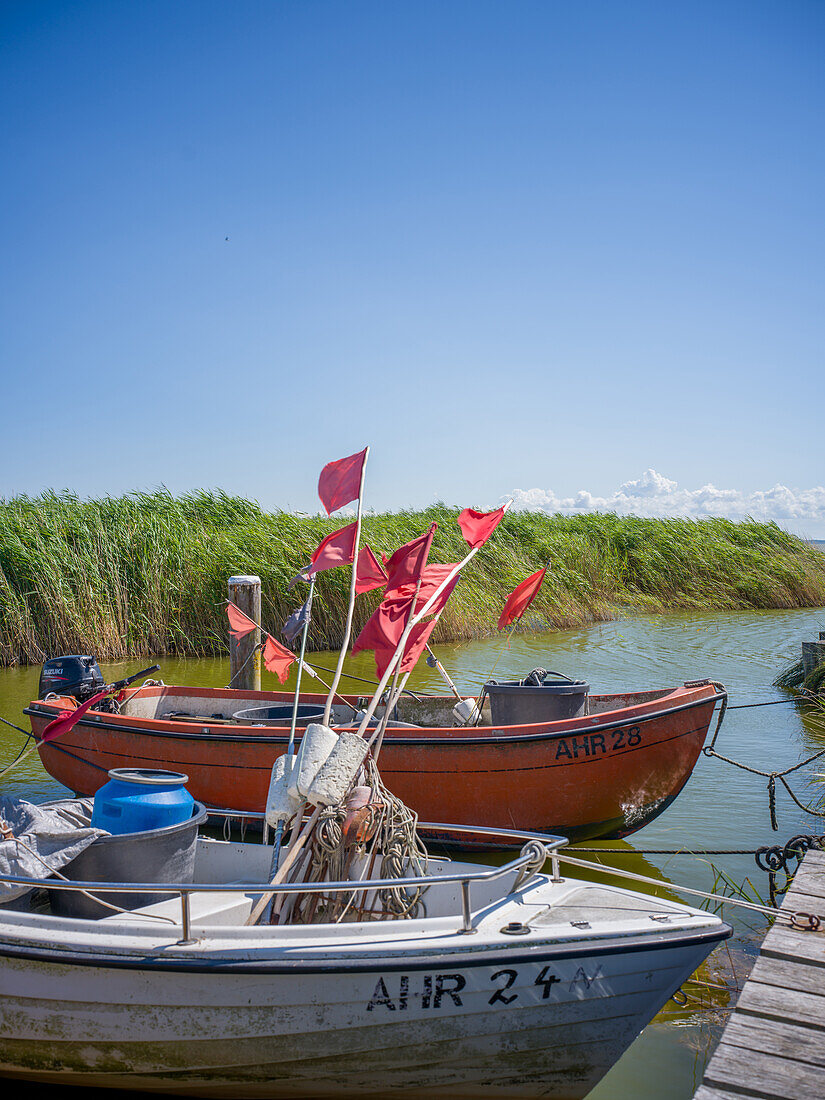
{"x": 449, "y": 737}
{"x": 398, "y": 960}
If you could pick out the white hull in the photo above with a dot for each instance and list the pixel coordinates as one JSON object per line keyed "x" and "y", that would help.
{"x": 409, "y": 1008}
{"x": 312, "y": 1036}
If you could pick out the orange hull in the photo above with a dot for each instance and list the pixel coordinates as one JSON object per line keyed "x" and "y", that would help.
{"x": 605, "y": 774}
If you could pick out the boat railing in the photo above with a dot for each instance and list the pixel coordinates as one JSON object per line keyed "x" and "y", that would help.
{"x": 538, "y": 847}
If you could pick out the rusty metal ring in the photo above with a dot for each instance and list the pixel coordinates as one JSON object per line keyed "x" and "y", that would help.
{"x": 806, "y": 922}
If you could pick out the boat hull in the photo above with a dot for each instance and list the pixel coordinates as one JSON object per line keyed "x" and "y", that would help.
{"x": 540, "y": 1022}
{"x": 601, "y": 775}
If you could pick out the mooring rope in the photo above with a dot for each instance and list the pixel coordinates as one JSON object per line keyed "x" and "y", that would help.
{"x": 392, "y": 837}
{"x": 811, "y": 921}
{"x": 772, "y": 776}
{"x": 769, "y": 703}
{"x": 769, "y": 858}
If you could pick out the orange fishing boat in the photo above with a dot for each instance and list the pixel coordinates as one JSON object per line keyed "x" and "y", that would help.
{"x": 604, "y": 773}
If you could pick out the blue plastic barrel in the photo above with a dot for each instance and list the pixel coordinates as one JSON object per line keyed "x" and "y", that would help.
{"x": 137, "y": 799}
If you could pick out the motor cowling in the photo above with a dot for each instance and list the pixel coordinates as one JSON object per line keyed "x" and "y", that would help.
{"x": 75, "y": 674}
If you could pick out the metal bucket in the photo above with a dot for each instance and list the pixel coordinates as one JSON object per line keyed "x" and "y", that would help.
{"x": 279, "y": 715}
{"x": 156, "y": 855}
{"x": 516, "y": 703}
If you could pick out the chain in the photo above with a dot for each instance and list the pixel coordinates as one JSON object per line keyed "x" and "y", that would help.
{"x": 772, "y": 777}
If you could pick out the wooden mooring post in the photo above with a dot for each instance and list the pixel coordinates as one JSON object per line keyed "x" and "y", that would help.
{"x": 774, "y": 1043}
{"x": 245, "y": 653}
{"x": 813, "y": 654}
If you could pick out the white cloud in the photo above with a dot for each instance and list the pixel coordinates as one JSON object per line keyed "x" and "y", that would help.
{"x": 653, "y": 495}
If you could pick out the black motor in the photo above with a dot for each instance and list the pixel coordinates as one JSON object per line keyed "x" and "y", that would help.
{"x": 74, "y": 675}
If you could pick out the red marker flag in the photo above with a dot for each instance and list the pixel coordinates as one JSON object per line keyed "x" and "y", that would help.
{"x": 382, "y": 631}
{"x": 408, "y": 561}
{"x": 432, "y": 577}
{"x": 416, "y": 644}
{"x": 278, "y": 659}
{"x": 336, "y": 549}
{"x": 520, "y": 598}
{"x": 369, "y": 572}
{"x": 384, "y": 627}
{"x": 67, "y": 718}
{"x": 340, "y": 482}
{"x": 239, "y": 624}
{"x": 476, "y": 527}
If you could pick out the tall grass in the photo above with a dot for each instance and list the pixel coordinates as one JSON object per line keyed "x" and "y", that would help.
{"x": 146, "y": 573}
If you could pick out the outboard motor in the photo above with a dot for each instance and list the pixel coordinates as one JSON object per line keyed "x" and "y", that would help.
{"x": 75, "y": 675}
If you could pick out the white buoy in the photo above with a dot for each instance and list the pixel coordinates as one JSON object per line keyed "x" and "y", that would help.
{"x": 335, "y": 776}
{"x": 316, "y": 745}
{"x": 463, "y": 711}
{"x": 280, "y": 805}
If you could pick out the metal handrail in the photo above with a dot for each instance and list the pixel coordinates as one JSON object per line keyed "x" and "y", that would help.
{"x": 533, "y": 855}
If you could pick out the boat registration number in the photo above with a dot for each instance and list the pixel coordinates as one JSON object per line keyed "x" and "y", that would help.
{"x": 398, "y": 993}
{"x": 598, "y": 744}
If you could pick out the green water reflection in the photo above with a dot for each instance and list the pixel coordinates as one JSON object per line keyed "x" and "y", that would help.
{"x": 721, "y": 806}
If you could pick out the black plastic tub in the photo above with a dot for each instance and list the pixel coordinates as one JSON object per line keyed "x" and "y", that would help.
{"x": 156, "y": 855}
{"x": 279, "y": 715}
{"x": 516, "y": 703}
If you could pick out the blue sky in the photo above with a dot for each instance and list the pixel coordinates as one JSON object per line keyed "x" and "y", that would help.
{"x": 572, "y": 252}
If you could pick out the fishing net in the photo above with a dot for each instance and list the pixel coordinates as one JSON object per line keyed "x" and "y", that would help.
{"x": 370, "y": 834}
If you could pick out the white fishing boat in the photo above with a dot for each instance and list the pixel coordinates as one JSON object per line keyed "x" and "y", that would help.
{"x": 501, "y": 982}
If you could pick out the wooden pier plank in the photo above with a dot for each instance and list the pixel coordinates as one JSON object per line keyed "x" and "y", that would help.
{"x": 774, "y": 1042}
{"x": 786, "y": 975}
{"x": 791, "y": 944}
{"x": 783, "y": 1004}
{"x": 705, "y": 1092}
{"x": 777, "y": 1037}
{"x": 756, "y": 1073}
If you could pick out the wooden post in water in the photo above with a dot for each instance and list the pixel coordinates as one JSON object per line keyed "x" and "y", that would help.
{"x": 245, "y": 653}
{"x": 813, "y": 654}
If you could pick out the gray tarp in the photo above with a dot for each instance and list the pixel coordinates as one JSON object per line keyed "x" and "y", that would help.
{"x": 46, "y": 838}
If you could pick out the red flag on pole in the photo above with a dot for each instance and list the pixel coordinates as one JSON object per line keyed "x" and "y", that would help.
{"x": 432, "y": 576}
{"x": 239, "y": 624}
{"x": 384, "y": 627}
{"x": 340, "y": 482}
{"x": 369, "y": 572}
{"x": 336, "y": 549}
{"x": 278, "y": 659}
{"x": 520, "y": 598}
{"x": 408, "y": 561}
{"x": 476, "y": 527}
{"x": 416, "y": 644}
{"x": 383, "y": 630}
{"x": 67, "y": 718}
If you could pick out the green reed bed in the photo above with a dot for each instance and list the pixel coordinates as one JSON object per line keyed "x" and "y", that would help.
{"x": 146, "y": 573}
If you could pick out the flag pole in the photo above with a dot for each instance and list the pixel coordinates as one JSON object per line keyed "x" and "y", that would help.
{"x": 392, "y": 697}
{"x": 434, "y": 662}
{"x": 279, "y": 832}
{"x": 304, "y": 633}
{"x": 348, "y": 629}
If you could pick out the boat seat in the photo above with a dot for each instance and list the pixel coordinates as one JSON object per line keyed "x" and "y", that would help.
{"x": 204, "y": 909}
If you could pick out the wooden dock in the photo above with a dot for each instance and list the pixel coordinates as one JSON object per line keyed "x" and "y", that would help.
{"x": 774, "y": 1043}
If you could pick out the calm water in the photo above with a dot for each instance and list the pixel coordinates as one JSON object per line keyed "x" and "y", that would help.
{"x": 721, "y": 806}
